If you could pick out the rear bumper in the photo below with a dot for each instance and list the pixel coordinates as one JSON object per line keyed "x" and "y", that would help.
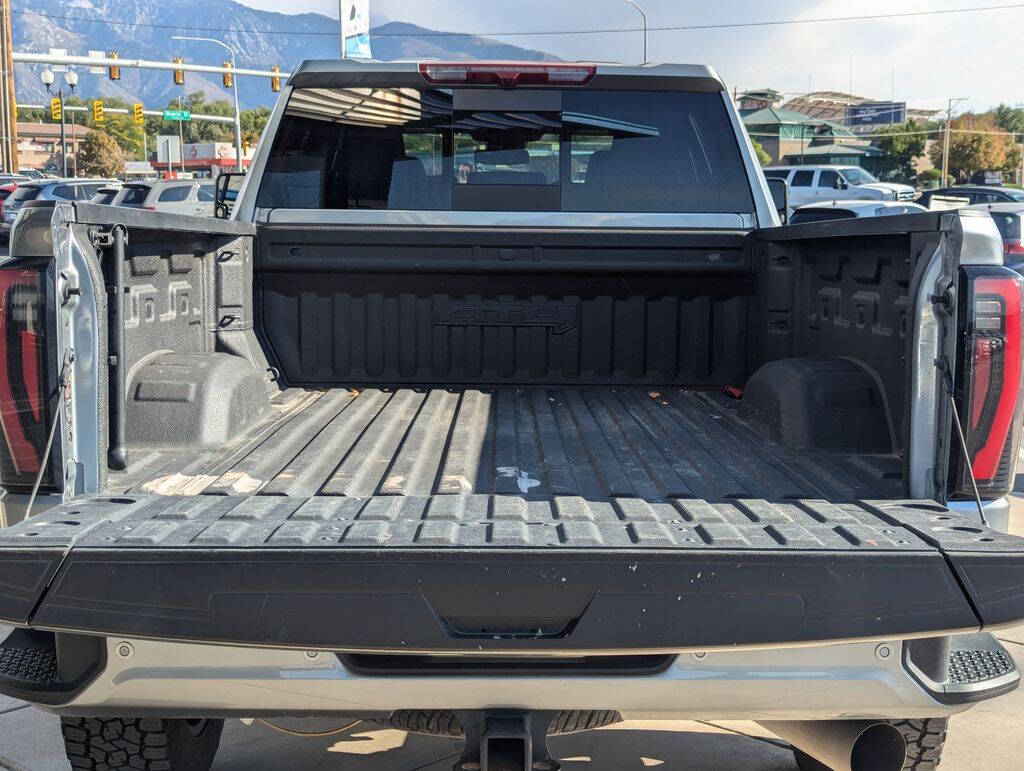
{"x": 857, "y": 680}
{"x": 499, "y": 574}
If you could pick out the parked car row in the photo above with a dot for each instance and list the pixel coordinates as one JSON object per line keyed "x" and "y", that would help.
{"x": 194, "y": 197}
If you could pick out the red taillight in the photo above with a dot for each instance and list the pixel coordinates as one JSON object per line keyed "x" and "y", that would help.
{"x": 24, "y": 402}
{"x": 148, "y": 208}
{"x": 1013, "y": 247}
{"x": 993, "y": 366}
{"x": 506, "y": 74}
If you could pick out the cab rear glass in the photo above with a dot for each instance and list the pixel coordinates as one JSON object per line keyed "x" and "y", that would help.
{"x": 575, "y": 151}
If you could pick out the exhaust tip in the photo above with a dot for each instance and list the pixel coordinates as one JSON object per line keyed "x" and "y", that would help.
{"x": 879, "y": 747}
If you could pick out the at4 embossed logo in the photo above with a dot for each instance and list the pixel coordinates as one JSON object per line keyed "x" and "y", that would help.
{"x": 559, "y": 317}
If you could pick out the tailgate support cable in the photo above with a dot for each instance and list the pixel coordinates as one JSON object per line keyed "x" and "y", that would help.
{"x": 69, "y": 359}
{"x": 947, "y": 383}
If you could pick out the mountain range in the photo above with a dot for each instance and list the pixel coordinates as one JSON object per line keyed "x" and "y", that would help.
{"x": 143, "y": 28}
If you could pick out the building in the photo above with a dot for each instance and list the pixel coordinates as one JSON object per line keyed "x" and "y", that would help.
{"x": 835, "y": 106}
{"x": 206, "y": 159}
{"x": 793, "y": 138}
{"x": 761, "y": 99}
{"x": 39, "y": 145}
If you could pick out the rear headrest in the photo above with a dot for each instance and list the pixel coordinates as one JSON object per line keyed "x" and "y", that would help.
{"x": 518, "y": 157}
{"x": 507, "y": 178}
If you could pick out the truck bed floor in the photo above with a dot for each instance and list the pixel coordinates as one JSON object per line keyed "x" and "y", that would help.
{"x": 596, "y": 443}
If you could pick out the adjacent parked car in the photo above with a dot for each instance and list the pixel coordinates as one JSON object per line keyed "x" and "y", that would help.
{"x": 848, "y": 210}
{"x": 5, "y": 192}
{"x": 133, "y": 195}
{"x": 1009, "y": 219}
{"x": 184, "y": 196}
{"x": 106, "y": 195}
{"x": 48, "y": 190}
{"x": 7, "y": 179}
{"x": 814, "y": 184}
{"x": 968, "y": 195}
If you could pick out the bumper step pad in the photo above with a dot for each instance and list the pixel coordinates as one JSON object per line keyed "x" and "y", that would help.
{"x": 32, "y": 669}
{"x": 506, "y": 573}
{"x": 977, "y": 667}
{"x": 969, "y": 667}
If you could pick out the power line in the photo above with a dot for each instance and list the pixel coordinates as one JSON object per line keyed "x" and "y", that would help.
{"x": 541, "y": 33}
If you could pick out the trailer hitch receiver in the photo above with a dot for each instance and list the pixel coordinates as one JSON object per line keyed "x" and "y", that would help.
{"x": 506, "y": 740}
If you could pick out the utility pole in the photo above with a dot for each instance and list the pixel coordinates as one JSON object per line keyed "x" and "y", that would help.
{"x": 949, "y": 120}
{"x": 8, "y": 121}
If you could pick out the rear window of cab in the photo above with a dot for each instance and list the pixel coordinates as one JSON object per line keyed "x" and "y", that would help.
{"x": 452, "y": 150}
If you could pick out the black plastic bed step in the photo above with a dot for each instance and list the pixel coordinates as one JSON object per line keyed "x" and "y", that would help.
{"x": 46, "y": 668}
{"x": 509, "y": 574}
{"x": 962, "y": 669}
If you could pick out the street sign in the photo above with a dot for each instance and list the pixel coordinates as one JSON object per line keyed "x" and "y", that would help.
{"x": 168, "y": 149}
{"x": 180, "y": 115}
{"x": 97, "y": 69}
{"x": 355, "y": 28}
{"x": 59, "y": 52}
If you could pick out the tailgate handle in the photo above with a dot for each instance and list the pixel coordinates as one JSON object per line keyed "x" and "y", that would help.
{"x": 509, "y": 629}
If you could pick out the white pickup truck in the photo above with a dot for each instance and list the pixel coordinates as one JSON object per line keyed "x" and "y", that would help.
{"x": 501, "y": 407}
{"x": 820, "y": 184}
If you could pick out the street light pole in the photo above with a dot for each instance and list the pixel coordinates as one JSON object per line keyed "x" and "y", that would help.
{"x": 644, "y": 17}
{"x": 71, "y": 79}
{"x": 234, "y": 87}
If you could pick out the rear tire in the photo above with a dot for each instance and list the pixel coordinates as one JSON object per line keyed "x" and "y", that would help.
{"x": 925, "y": 739}
{"x": 148, "y": 744}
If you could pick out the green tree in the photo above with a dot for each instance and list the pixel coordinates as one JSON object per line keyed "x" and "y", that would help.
{"x": 902, "y": 144}
{"x": 1010, "y": 118}
{"x": 100, "y": 156}
{"x": 978, "y": 143}
{"x": 761, "y": 153}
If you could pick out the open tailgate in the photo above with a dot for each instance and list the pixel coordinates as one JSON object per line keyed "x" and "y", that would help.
{"x": 503, "y": 573}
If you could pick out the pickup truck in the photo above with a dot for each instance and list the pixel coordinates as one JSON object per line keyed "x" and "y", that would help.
{"x": 502, "y": 406}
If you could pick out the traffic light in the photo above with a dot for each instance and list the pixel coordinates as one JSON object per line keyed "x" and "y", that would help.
{"x": 179, "y": 75}
{"x": 114, "y": 70}
{"x": 275, "y": 82}
{"x": 228, "y": 77}
{"x": 56, "y": 109}
{"x": 97, "y": 112}
{"x": 138, "y": 116}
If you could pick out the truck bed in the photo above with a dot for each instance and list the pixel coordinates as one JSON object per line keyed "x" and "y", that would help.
{"x": 592, "y": 443}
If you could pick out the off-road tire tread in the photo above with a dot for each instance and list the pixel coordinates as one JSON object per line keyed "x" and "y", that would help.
{"x": 925, "y": 740}
{"x": 444, "y": 722}
{"x": 146, "y": 744}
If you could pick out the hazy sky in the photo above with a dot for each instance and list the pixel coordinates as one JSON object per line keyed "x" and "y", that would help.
{"x": 977, "y": 55}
